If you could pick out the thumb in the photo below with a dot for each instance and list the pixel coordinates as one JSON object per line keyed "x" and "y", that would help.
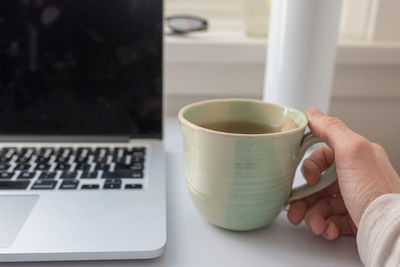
{"x": 331, "y": 130}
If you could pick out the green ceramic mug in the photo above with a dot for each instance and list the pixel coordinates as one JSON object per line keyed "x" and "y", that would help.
{"x": 243, "y": 181}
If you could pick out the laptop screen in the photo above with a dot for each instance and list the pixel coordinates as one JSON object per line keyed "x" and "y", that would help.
{"x": 81, "y": 67}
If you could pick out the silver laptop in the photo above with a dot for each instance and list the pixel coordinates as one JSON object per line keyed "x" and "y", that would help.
{"x": 81, "y": 154}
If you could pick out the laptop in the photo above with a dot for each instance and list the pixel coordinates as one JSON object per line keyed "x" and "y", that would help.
{"x": 81, "y": 152}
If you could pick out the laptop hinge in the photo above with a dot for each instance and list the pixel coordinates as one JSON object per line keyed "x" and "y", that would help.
{"x": 64, "y": 138}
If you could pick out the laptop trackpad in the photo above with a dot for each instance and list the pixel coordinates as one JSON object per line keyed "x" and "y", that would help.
{"x": 14, "y": 210}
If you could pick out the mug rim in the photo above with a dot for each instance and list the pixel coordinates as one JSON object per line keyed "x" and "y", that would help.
{"x": 186, "y": 122}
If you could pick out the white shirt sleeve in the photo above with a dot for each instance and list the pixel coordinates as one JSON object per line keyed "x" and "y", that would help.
{"x": 378, "y": 236}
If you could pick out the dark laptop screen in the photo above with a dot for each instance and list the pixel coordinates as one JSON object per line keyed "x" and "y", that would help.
{"x": 81, "y": 67}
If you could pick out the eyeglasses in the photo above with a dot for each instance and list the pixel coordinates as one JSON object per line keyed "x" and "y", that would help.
{"x": 182, "y": 24}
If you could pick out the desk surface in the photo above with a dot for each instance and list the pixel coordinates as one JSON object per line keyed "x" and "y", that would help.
{"x": 194, "y": 242}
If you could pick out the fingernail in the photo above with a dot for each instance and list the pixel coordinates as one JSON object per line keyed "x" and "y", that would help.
{"x": 330, "y": 232}
{"x": 313, "y": 112}
{"x": 317, "y": 225}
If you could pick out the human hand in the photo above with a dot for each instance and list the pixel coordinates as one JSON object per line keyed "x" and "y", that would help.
{"x": 364, "y": 173}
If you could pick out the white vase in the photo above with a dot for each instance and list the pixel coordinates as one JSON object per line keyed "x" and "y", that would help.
{"x": 301, "y": 52}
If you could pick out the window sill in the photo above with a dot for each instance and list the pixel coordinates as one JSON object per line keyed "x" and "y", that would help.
{"x": 236, "y": 47}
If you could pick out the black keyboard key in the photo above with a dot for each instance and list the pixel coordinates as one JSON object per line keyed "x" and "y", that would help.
{"x": 6, "y": 150}
{"x": 99, "y": 159}
{"x": 26, "y": 175}
{"x": 126, "y": 151}
{"x": 137, "y": 166}
{"x": 82, "y": 166}
{"x": 118, "y": 152}
{"x": 42, "y": 159}
{"x": 68, "y": 184}
{"x": 113, "y": 181}
{"x": 64, "y": 151}
{"x": 5, "y": 159}
{"x": 44, "y": 184}
{"x": 27, "y": 150}
{"x": 112, "y": 186}
{"x": 91, "y": 153}
{"x": 123, "y": 174}
{"x": 23, "y": 159}
{"x": 122, "y": 166}
{"x": 111, "y": 175}
{"x": 138, "y": 154}
{"x": 102, "y": 166}
{"x": 48, "y": 175}
{"x": 46, "y": 151}
{"x": 115, "y": 158}
{"x": 90, "y": 186}
{"x": 102, "y": 151}
{"x": 6, "y": 155}
{"x": 81, "y": 160}
{"x": 22, "y": 166}
{"x": 137, "y": 159}
{"x": 11, "y": 185}
{"x": 68, "y": 175}
{"x": 121, "y": 160}
{"x": 63, "y": 160}
{"x": 133, "y": 186}
{"x": 4, "y": 166}
{"x": 42, "y": 167}
{"x": 6, "y": 175}
{"x": 84, "y": 152}
{"x": 63, "y": 166}
{"x": 137, "y": 174}
{"x": 89, "y": 175}
{"x": 133, "y": 166}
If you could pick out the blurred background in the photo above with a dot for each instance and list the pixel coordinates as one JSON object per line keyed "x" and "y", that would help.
{"x": 228, "y": 60}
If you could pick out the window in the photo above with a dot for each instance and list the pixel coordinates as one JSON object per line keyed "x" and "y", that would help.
{"x": 372, "y": 20}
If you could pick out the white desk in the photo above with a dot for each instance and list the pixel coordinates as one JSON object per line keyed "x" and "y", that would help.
{"x": 194, "y": 242}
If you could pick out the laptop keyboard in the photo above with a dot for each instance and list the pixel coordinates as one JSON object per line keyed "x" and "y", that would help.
{"x": 72, "y": 168}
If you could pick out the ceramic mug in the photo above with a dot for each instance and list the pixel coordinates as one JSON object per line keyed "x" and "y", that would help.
{"x": 243, "y": 181}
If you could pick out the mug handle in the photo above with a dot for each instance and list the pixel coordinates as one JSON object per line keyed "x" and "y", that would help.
{"x": 325, "y": 179}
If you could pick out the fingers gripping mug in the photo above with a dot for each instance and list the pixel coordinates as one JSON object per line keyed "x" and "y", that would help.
{"x": 240, "y": 165}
